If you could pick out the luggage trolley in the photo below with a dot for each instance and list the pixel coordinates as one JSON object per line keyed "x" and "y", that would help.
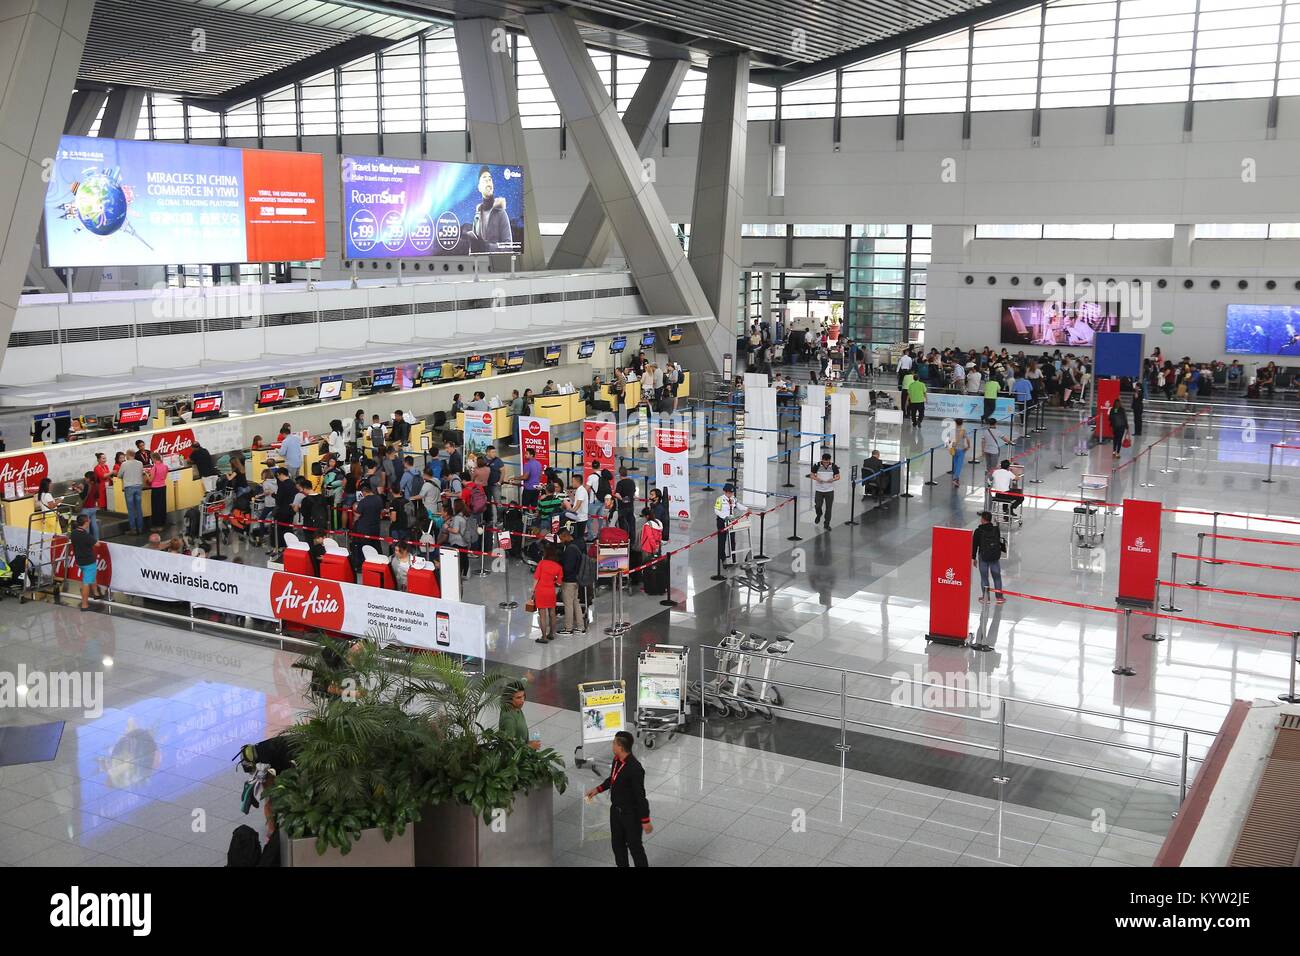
{"x": 661, "y": 692}
{"x": 730, "y": 691}
{"x": 1086, "y": 531}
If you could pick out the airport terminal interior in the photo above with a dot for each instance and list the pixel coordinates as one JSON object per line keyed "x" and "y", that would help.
{"x": 595, "y": 434}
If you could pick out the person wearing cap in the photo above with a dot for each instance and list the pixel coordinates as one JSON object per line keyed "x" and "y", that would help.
{"x": 824, "y": 475}
{"x": 726, "y": 509}
{"x": 512, "y": 724}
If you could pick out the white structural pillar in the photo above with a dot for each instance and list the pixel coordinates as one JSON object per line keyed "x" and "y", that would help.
{"x": 719, "y": 206}
{"x": 40, "y": 44}
{"x": 644, "y": 232}
{"x": 586, "y": 240}
{"x": 496, "y": 134}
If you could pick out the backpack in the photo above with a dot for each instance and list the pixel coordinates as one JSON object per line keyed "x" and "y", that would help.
{"x": 651, "y": 538}
{"x": 245, "y": 847}
{"x": 990, "y": 547}
{"x": 605, "y": 487}
{"x": 474, "y": 497}
{"x": 587, "y": 570}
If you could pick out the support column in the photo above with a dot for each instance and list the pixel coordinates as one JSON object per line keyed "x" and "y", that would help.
{"x": 586, "y": 240}
{"x": 654, "y": 256}
{"x": 83, "y": 110}
{"x": 719, "y": 206}
{"x": 492, "y": 113}
{"x": 44, "y": 42}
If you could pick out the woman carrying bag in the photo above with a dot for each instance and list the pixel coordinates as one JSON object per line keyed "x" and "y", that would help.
{"x": 957, "y": 448}
{"x": 1118, "y": 428}
{"x": 546, "y": 582}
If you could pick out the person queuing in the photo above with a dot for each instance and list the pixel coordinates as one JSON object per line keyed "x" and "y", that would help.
{"x": 352, "y": 435}
{"x": 958, "y": 446}
{"x": 337, "y": 440}
{"x": 158, "y": 492}
{"x": 83, "y": 552}
{"x": 548, "y": 579}
{"x": 102, "y": 475}
{"x": 625, "y": 495}
{"x": 824, "y": 474}
{"x": 290, "y": 450}
{"x": 629, "y": 810}
{"x": 131, "y": 472}
{"x": 571, "y": 555}
{"x": 90, "y": 501}
{"x": 286, "y": 491}
{"x": 367, "y": 524}
{"x": 204, "y": 466}
{"x": 991, "y": 445}
{"x": 986, "y": 550}
{"x": 659, "y": 507}
{"x": 1118, "y": 427}
{"x": 576, "y": 507}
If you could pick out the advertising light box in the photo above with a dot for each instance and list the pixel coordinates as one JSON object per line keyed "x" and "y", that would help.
{"x": 415, "y": 209}
{"x": 130, "y": 202}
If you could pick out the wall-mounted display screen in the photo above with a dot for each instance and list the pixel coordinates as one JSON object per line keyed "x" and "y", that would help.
{"x": 475, "y": 364}
{"x": 675, "y": 334}
{"x": 52, "y": 426}
{"x": 1262, "y": 330}
{"x": 137, "y": 202}
{"x": 647, "y": 340}
{"x": 330, "y": 388}
{"x": 553, "y": 353}
{"x": 1051, "y": 323}
{"x": 383, "y": 378}
{"x": 133, "y": 413}
{"x": 208, "y": 403}
{"x": 415, "y": 209}
{"x": 431, "y": 372}
{"x": 618, "y": 344}
{"x": 271, "y": 394}
{"x": 515, "y": 359}
{"x": 586, "y": 348}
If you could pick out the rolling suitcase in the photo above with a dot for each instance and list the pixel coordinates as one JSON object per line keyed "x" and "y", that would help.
{"x": 655, "y": 578}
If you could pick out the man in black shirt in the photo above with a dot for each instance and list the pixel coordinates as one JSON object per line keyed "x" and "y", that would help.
{"x": 83, "y": 552}
{"x": 285, "y": 492}
{"x": 201, "y": 459}
{"x": 571, "y": 561}
{"x": 873, "y": 482}
{"x": 399, "y": 431}
{"x": 455, "y": 463}
{"x": 370, "y": 515}
{"x": 625, "y": 495}
{"x": 629, "y": 811}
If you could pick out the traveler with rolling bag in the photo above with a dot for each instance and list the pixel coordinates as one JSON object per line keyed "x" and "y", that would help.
{"x": 654, "y": 577}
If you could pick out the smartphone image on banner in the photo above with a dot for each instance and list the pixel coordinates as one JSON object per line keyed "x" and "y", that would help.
{"x": 443, "y": 625}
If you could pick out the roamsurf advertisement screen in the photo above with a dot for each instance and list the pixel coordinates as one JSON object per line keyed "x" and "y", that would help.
{"x": 417, "y": 209}
{"x": 128, "y": 202}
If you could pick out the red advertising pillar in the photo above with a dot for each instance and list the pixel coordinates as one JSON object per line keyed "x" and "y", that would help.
{"x": 950, "y": 585}
{"x": 1107, "y": 395}
{"x": 1139, "y": 552}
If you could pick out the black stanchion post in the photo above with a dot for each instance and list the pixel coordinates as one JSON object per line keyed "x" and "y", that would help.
{"x": 762, "y": 519}
{"x": 795, "y": 530}
{"x": 718, "y": 575}
{"x": 907, "y": 479}
{"x": 668, "y": 591}
{"x": 788, "y": 482}
{"x": 932, "y": 481}
{"x": 853, "y": 495}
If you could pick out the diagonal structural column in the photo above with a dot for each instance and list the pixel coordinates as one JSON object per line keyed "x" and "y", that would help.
{"x": 42, "y": 46}
{"x": 586, "y": 240}
{"x": 654, "y": 256}
{"x": 719, "y": 205}
{"x": 496, "y": 133}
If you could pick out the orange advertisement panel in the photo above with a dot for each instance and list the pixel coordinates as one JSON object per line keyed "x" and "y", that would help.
{"x": 284, "y": 206}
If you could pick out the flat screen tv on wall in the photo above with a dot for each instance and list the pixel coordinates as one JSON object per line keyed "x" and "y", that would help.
{"x": 1262, "y": 330}
{"x": 1054, "y": 324}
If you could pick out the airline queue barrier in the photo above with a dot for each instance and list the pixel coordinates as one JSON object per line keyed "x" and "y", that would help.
{"x": 376, "y": 570}
{"x": 297, "y": 556}
{"x": 336, "y": 565}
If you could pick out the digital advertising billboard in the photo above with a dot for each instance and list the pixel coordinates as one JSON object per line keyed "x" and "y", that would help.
{"x": 1050, "y": 323}
{"x": 419, "y": 208}
{"x": 1262, "y": 330}
{"x": 115, "y": 202}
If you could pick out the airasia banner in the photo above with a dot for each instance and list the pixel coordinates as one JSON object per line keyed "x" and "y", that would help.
{"x": 355, "y": 609}
{"x": 535, "y": 436}
{"x": 478, "y": 431}
{"x": 1107, "y": 396}
{"x": 670, "y": 469}
{"x": 1139, "y": 552}
{"x": 950, "y": 584}
{"x": 598, "y": 439}
{"x": 68, "y": 461}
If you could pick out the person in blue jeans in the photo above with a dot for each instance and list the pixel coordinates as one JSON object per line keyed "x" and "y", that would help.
{"x": 132, "y": 474}
{"x": 986, "y": 549}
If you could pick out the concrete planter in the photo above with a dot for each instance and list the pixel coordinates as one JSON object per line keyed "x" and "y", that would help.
{"x": 453, "y": 835}
{"x": 370, "y": 850}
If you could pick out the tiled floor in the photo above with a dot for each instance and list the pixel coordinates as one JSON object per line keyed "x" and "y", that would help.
{"x": 150, "y": 781}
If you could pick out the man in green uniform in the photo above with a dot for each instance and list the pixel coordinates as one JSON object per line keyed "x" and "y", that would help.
{"x": 991, "y": 389}
{"x": 916, "y": 401}
{"x": 512, "y": 723}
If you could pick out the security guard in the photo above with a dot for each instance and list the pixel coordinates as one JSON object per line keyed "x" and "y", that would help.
{"x": 726, "y": 509}
{"x": 629, "y": 810}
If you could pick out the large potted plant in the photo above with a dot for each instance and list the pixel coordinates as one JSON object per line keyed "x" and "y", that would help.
{"x": 392, "y": 740}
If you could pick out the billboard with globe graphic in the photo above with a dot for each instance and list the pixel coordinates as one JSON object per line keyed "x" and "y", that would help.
{"x": 128, "y": 202}
{"x": 422, "y": 208}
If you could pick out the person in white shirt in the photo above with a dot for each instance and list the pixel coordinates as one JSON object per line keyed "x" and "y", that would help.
{"x": 824, "y": 475}
{"x": 974, "y": 381}
{"x": 726, "y": 510}
{"x": 338, "y": 441}
{"x": 1001, "y": 481}
{"x": 576, "y": 507}
{"x": 904, "y": 366}
{"x": 958, "y": 376}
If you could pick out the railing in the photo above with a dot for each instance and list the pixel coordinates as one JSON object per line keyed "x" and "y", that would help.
{"x": 844, "y": 720}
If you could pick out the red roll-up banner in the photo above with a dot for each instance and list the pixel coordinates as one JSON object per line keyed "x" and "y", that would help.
{"x": 1107, "y": 395}
{"x": 950, "y": 585}
{"x": 1139, "y": 552}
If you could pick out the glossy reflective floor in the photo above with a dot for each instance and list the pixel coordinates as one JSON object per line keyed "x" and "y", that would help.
{"x": 149, "y": 782}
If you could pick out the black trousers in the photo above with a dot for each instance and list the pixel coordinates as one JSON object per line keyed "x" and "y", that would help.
{"x": 625, "y": 835}
{"x": 823, "y": 499}
{"x": 917, "y": 412}
{"x": 158, "y": 506}
{"x": 627, "y": 521}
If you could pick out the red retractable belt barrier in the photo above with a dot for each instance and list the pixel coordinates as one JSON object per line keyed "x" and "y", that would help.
{"x": 1139, "y": 552}
{"x": 950, "y": 585}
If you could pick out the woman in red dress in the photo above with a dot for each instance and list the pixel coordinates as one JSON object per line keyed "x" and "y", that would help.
{"x": 546, "y": 581}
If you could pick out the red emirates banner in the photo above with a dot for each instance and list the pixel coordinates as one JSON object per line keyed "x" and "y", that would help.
{"x": 1107, "y": 395}
{"x": 598, "y": 445}
{"x": 950, "y": 584}
{"x": 1139, "y": 552}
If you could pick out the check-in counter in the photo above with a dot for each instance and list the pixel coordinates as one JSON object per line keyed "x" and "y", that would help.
{"x": 560, "y": 409}
{"x": 18, "y": 512}
{"x": 184, "y": 490}
{"x": 631, "y": 394}
{"x": 503, "y": 423}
